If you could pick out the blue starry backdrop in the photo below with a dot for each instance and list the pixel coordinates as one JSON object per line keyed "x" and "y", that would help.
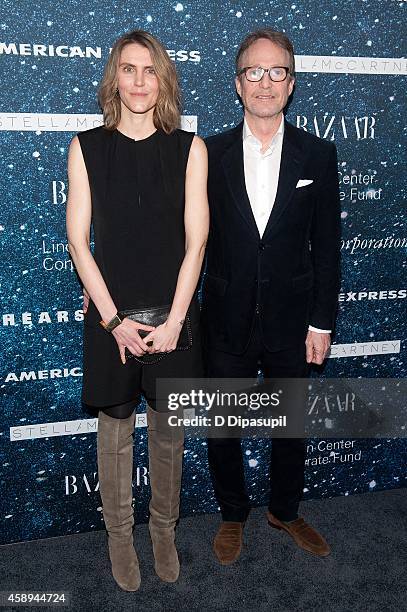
{"x": 49, "y": 485}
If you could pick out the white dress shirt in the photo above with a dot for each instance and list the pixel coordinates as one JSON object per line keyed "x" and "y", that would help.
{"x": 261, "y": 173}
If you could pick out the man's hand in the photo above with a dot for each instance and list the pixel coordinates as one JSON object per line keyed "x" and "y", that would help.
{"x": 317, "y": 345}
{"x": 85, "y": 300}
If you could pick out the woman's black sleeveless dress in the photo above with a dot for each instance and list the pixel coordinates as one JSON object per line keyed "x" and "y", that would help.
{"x": 138, "y": 198}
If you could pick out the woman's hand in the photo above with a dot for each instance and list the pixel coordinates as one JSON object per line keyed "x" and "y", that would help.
{"x": 164, "y": 337}
{"x": 126, "y": 334}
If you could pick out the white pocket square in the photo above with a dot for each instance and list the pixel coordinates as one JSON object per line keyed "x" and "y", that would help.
{"x": 304, "y": 183}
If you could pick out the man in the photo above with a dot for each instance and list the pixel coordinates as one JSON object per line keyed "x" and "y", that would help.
{"x": 272, "y": 276}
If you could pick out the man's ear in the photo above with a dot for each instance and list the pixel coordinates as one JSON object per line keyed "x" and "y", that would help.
{"x": 291, "y": 86}
{"x": 238, "y": 86}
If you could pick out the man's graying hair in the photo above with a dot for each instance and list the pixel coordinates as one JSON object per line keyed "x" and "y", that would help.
{"x": 278, "y": 38}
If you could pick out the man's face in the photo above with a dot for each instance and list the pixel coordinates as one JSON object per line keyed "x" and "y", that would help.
{"x": 265, "y": 98}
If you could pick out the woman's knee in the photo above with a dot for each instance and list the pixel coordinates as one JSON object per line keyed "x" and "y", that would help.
{"x": 121, "y": 411}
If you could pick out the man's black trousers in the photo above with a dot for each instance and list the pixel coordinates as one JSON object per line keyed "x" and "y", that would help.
{"x": 287, "y": 455}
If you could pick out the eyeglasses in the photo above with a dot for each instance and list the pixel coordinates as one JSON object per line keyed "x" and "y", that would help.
{"x": 256, "y": 73}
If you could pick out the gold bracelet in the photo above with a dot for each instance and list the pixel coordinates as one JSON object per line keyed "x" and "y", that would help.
{"x": 113, "y": 323}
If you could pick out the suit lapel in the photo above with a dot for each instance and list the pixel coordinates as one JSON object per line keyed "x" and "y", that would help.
{"x": 233, "y": 166}
{"x": 290, "y": 171}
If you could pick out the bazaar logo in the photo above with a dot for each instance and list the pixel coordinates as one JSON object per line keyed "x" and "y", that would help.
{"x": 333, "y": 127}
{"x": 90, "y": 483}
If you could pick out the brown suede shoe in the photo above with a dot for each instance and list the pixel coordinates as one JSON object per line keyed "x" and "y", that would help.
{"x": 228, "y": 542}
{"x": 303, "y": 534}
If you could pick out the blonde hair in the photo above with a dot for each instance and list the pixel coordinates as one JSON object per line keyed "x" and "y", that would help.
{"x": 168, "y": 107}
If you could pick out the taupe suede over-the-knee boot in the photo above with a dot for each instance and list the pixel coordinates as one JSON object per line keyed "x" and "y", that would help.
{"x": 165, "y": 450}
{"x": 115, "y": 470}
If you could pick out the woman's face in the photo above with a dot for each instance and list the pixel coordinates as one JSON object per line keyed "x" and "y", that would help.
{"x": 137, "y": 81}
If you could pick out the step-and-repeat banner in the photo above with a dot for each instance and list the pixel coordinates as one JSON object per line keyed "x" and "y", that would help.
{"x": 350, "y": 88}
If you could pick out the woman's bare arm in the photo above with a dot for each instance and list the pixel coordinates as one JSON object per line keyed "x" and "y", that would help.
{"x": 78, "y": 220}
{"x": 196, "y": 220}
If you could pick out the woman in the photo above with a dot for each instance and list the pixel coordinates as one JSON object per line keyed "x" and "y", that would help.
{"x": 141, "y": 182}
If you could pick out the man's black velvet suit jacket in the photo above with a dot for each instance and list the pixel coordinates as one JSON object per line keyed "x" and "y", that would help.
{"x": 291, "y": 274}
